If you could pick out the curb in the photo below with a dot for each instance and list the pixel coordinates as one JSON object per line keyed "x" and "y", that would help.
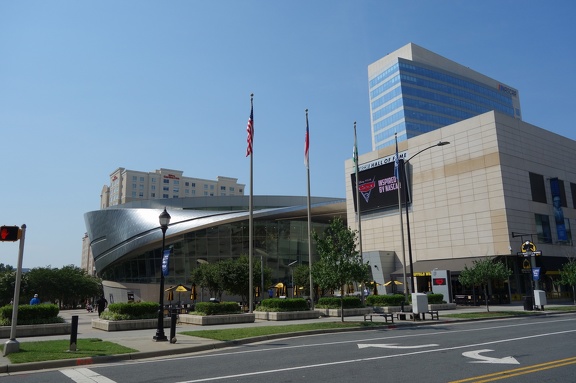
{"x": 52, "y": 364}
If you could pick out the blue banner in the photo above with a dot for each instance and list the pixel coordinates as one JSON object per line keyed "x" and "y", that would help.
{"x": 536, "y": 273}
{"x": 165, "y": 260}
{"x": 558, "y": 213}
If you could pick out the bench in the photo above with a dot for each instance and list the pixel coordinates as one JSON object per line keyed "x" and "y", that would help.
{"x": 386, "y": 316}
{"x": 403, "y": 314}
{"x": 432, "y": 313}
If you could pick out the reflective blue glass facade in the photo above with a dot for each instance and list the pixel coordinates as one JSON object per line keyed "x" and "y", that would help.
{"x": 410, "y": 98}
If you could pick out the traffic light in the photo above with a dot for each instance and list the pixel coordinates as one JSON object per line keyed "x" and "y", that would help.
{"x": 10, "y": 233}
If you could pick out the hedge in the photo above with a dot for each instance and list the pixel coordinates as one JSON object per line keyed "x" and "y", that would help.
{"x": 222, "y": 308}
{"x": 283, "y": 304}
{"x": 31, "y": 314}
{"x": 385, "y": 300}
{"x": 134, "y": 309}
{"x": 335, "y": 302}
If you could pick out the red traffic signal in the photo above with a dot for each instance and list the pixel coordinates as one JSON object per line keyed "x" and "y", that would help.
{"x": 10, "y": 233}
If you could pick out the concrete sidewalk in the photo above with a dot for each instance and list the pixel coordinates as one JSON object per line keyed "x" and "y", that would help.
{"x": 146, "y": 347}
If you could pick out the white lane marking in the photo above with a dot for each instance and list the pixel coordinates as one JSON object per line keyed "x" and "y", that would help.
{"x": 486, "y": 359}
{"x": 394, "y": 345}
{"x": 255, "y": 373}
{"x": 85, "y": 375}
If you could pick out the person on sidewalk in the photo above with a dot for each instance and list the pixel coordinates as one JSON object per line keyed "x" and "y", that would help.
{"x": 101, "y": 303}
{"x": 35, "y": 300}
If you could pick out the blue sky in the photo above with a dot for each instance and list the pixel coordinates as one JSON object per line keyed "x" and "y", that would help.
{"x": 87, "y": 87}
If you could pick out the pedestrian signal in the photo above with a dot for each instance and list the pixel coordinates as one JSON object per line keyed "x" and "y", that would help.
{"x": 10, "y": 233}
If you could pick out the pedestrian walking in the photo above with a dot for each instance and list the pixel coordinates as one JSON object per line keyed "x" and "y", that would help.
{"x": 101, "y": 303}
{"x": 35, "y": 300}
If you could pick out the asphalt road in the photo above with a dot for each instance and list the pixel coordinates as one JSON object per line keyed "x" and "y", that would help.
{"x": 532, "y": 349}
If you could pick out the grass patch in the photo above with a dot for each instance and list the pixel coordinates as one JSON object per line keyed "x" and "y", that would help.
{"x": 248, "y": 332}
{"x": 58, "y": 349}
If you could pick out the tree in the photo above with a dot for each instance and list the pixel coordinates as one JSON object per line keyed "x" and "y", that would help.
{"x": 235, "y": 276}
{"x": 568, "y": 276}
{"x": 302, "y": 278}
{"x": 208, "y": 276}
{"x": 482, "y": 273}
{"x": 340, "y": 263}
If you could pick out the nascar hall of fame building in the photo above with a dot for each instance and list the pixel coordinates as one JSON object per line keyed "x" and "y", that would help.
{"x": 126, "y": 240}
{"x": 482, "y": 195}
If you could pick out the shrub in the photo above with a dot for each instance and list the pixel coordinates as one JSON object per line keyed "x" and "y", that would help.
{"x": 281, "y": 305}
{"x": 222, "y": 308}
{"x": 31, "y": 314}
{"x": 436, "y": 298}
{"x": 130, "y": 311}
{"x": 385, "y": 300}
{"x": 335, "y": 302}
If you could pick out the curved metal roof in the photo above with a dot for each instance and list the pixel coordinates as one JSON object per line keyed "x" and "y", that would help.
{"x": 115, "y": 232}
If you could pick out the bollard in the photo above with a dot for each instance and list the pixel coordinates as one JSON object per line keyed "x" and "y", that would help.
{"x": 173, "y": 328}
{"x": 74, "y": 333}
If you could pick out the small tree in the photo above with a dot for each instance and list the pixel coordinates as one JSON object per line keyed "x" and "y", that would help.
{"x": 208, "y": 276}
{"x": 568, "y": 277}
{"x": 482, "y": 273}
{"x": 340, "y": 263}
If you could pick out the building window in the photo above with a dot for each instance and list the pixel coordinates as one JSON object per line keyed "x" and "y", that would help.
{"x": 176, "y": 190}
{"x": 166, "y": 188}
{"x": 134, "y": 178}
{"x": 223, "y": 188}
{"x": 231, "y": 188}
{"x": 164, "y": 195}
{"x": 193, "y": 184}
{"x": 176, "y": 182}
{"x": 133, "y": 186}
{"x": 543, "y": 228}
{"x": 153, "y": 187}
{"x": 141, "y": 187}
{"x": 186, "y": 191}
{"x": 206, "y": 193}
{"x": 239, "y": 190}
{"x": 153, "y": 180}
{"x": 141, "y": 179}
{"x": 573, "y": 190}
{"x": 166, "y": 181}
{"x": 193, "y": 192}
{"x": 206, "y": 186}
{"x": 211, "y": 187}
{"x": 537, "y": 187}
{"x": 134, "y": 194}
{"x": 141, "y": 194}
{"x": 153, "y": 195}
{"x": 186, "y": 183}
{"x": 174, "y": 196}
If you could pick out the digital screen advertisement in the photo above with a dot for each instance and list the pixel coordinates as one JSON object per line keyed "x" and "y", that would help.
{"x": 378, "y": 187}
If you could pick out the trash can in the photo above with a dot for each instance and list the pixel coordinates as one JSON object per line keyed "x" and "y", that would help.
{"x": 528, "y": 303}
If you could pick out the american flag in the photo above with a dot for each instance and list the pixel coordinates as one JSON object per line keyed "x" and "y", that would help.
{"x": 250, "y": 130}
{"x": 306, "y": 143}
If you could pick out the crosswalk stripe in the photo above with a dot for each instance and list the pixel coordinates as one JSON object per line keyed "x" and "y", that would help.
{"x": 85, "y": 375}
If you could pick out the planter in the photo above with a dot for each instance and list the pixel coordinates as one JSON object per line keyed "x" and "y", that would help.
{"x": 441, "y": 306}
{"x": 36, "y": 330}
{"x": 125, "y": 325}
{"x": 287, "y": 315}
{"x": 347, "y": 312}
{"x": 207, "y": 320}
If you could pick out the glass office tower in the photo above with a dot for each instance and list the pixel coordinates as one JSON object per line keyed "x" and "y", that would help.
{"x": 414, "y": 91}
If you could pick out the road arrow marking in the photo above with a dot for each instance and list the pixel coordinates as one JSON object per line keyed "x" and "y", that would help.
{"x": 394, "y": 345}
{"x": 487, "y": 359}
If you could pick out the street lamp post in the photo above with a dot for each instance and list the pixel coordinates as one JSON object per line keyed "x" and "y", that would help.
{"x": 292, "y": 270}
{"x": 160, "y": 336}
{"x": 405, "y": 183}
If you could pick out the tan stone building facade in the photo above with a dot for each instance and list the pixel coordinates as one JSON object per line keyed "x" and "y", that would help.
{"x": 483, "y": 195}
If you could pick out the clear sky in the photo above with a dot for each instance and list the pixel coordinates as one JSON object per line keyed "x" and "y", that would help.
{"x": 90, "y": 86}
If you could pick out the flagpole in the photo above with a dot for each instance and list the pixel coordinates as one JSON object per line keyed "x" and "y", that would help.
{"x": 307, "y": 157}
{"x": 250, "y": 206}
{"x": 358, "y": 215}
{"x": 397, "y": 175}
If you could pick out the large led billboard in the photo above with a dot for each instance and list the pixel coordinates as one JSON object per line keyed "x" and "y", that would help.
{"x": 378, "y": 186}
